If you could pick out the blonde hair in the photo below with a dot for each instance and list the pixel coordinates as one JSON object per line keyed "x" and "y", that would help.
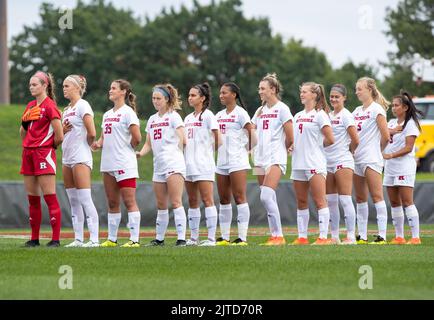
{"x": 79, "y": 81}
{"x": 175, "y": 101}
{"x": 321, "y": 99}
{"x": 273, "y": 82}
{"x": 375, "y": 93}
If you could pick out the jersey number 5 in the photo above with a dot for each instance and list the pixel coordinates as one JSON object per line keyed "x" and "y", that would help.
{"x": 157, "y": 134}
{"x": 108, "y": 128}
{"x": 359, "y": 126}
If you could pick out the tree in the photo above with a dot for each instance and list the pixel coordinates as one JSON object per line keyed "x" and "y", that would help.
{"x": 411, "y": 26}
{"x": 92, "y": 48}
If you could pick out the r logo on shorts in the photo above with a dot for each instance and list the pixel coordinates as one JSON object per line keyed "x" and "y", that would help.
{"x": 43, "y": 165}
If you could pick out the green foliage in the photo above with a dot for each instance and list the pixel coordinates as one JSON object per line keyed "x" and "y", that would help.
{"x": 411, "y": 26}
{"x": 214, "y": 43}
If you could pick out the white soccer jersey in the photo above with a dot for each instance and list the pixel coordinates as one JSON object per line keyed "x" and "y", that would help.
{"x": 308, "y": 151}
{"x": 117, "y": 152}
{"x": 165, "y": 142}
{"x": 405, "y": 165}
{"x": 75, "y": 148}
{"x": 369, "y": 149}
{"x": 271, "y": 147}
{"x": 199, "y": 151}
{"x": 233, "y": 153}
{"x": 340, "y": 150}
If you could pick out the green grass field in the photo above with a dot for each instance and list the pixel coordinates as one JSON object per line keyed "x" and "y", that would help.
{"x": 219, "y": 273}
{"x": 11, "y": 150}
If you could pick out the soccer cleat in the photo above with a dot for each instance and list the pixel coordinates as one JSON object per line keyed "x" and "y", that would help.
{"x": 359, "y": 240}
{"x": 222, "y": 242}
{"x": 131, "y": 244}
{"x": 378, "y": 241}
{"x": 53, "y": 244}
{"x": 398, "y": 241}
{"x": 32, "y": 244}
{"x": 155, "y": 243}
{"x": 239, "y": 242}
{"x": 181, "y": 243}
{"x": 323, "y": 242}
{"x": 300, "y": 242}
{"x": 91, "y": 244}
{"x": 275, "y": 241}
{"x": 336, "y": 241}
{"x": 348, "y": 242}
{"x": 109, "y": 244}
{"x": 75, "y": 244}
{"x": 207, "y": 243}
{"x": 414, "y": 241}
{"x": 192, "y": 243}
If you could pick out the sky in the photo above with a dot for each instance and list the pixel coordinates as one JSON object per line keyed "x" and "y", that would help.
{"x": 343, "y": 29}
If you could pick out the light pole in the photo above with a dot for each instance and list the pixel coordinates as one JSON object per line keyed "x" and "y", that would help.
{"x": 4, "y": 55}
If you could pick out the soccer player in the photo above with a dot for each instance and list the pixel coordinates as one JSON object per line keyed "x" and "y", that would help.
{"x": 79, "y": 131}
{"x": 273, "y": 122}
{"x": 120, "y": 135}
{"x": 166, "y": 139}
{"x": 371, "y": 125}
{"x": 312, "y": 132}
{"x": 233, "y": 163}
{"x": 41, "y": 133}
{"x": 340, "y": 166}
{"x": 203, "y": 137}
{"x": 400, "y": 167}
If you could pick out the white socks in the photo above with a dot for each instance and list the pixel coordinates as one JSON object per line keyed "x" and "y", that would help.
{"x": 180, "y": 222}
{"x": 381, "y": 218}
{"x": 225, "y": 218}
{"x": 114, "y": 219}
{"x": 398, "y": 221}
{"x": 350, "y": 216}
{"x": 162, "y": 223}
{"x": 243, "y": 220}
{"x": 362, "y": 220}
{"x": 211, "y": 222}
{"x": 333, "y": 204}
{"x": 323, "y": 219}
{"x": 134, "y": 225}
{"x": 194, "y": 223}
{"x": 269, "y": 201}
{"x": 302, "y": 222}
{"x": 77, "y": 214}
{"x": 413, "y": 220}
{"x": 85, "y": 197}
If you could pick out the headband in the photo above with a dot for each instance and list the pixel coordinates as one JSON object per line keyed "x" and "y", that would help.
{"x": 162, "y": 91}
{"x": 42, "y": 76}
{"x": 340, "y": 90}
{"x": 201, "y": 89}
{"x": 72, "y": 79}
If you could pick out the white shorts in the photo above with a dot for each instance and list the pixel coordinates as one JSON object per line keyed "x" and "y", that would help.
{"x": 340, "y": 165}
{"x": 400, "y": 181}
{"x": 202, "y": 177}
{"x": 262, "y": 171}
{"x": 86, "y": 163}
{"x": 162, "y": 178}
{"x": 307, "y": 175}
{"x": 227, "y": 172}
{"x": 124, "y": 174}
{"x": 360, "y": 169}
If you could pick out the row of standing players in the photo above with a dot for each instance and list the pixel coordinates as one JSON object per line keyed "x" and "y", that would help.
{"x": 332, "y": 150}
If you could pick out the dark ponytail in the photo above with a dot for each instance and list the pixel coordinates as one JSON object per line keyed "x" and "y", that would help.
{"x": 204, "y": 91}
{"x": 412, "y": 111}
{"x": 235, "y": 89}
{"x": 130, "y": 97}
